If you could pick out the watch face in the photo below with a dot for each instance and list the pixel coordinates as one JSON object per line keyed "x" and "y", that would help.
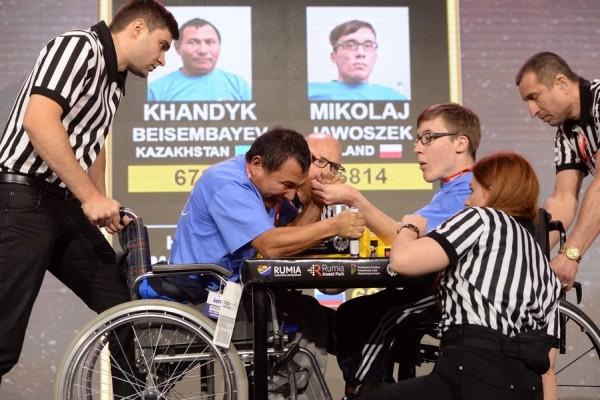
{"x": 572, "y": 253}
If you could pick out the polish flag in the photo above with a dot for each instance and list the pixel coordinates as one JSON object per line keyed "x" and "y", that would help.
{"x": 390, "y": 151}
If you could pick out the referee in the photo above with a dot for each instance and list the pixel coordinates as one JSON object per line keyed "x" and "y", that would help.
{"x": 499, "y": 296}
{"x": 52, "y": 165}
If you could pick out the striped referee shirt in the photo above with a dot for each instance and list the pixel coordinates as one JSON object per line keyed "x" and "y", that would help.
{"x": 498, "y": 276}
{"x": 78, "y": 70}
{"x": 577, "y": 142}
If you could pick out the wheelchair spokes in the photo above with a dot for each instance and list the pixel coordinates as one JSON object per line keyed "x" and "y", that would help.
{"x": 578, "y": 364}
{"x": 172, "y": 357}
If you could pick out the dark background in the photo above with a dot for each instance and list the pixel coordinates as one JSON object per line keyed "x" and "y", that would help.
{"x": 496, "y": 37}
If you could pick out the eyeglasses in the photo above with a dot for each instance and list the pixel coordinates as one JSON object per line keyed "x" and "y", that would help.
{"x": 322, "y": 162}
{"x": 426, "y": 137}
{"x": 352, "y": 45}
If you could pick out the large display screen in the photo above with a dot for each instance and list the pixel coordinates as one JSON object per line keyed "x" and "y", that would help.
{"x": 240, "y": 68}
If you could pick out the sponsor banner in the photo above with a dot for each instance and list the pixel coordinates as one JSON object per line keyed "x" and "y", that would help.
{"x": 287, "y": 271}
{"x": 264, "y": 270}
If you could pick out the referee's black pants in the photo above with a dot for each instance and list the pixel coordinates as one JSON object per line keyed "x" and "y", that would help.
{"x": 39, "y": 231}
{"x": 465, "y": 372}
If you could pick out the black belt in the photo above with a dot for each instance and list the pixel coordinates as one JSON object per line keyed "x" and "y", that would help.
{"x": 475, "y": 336}
{"x": 37, "y": 183}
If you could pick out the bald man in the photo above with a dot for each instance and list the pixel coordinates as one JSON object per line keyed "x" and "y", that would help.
{"x": 326, "y": 159}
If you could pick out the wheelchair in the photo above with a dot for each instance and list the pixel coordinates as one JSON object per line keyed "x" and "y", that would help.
{"x": 578, "y": 362}
{"x": 160, "y": 349}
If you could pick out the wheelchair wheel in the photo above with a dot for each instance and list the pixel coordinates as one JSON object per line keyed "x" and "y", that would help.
{"x": 150, "y": 350}
{"x": 578, "y": 367}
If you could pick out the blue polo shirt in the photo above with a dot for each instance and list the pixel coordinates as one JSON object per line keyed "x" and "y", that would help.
{"x": 222, "y": 216}
{"x": 447, "y": 201}
{"x": 336, "y": 90}
{"x": 218, "y": 85}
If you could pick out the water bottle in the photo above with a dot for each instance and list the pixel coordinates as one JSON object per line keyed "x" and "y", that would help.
{"x": 354, "y": 243}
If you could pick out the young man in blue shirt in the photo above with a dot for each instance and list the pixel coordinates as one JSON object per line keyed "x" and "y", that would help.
{"x": 448, "y": 136}
{"x": 354, "y": 53}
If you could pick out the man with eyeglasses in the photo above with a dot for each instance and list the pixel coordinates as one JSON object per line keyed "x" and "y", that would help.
{"x": 354, "y": 52}
{"x": 447, "y": 140}
{"x": 326, "y": 158}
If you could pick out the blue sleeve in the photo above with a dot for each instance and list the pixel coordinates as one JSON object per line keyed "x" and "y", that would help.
{"x": 239, "y": 214}
{"x": 442, "y": 207}
{"x": 151, "y": 95}
{"x": 244, "y": 91}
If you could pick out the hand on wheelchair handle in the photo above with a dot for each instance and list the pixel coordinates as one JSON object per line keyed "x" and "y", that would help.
{"x": 125, "y": 217}
{"x": 565, "y": 269}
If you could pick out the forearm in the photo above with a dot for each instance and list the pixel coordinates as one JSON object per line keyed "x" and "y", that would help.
{"x": 378, "y": 222}
{"x": 562, "y": 204}
{"x": 60, "y": 158}
{"x": 587, "y": 226}
{"x": 407, "y": 254}
{"x": 560, "y": 210}
{"x": 97, "y": 172}
{"x": 49, "y": 138}
{"x": 310, "y": 213}
{"x": 290, "y": 240}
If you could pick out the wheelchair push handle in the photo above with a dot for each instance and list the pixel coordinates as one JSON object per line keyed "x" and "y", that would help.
{"x": 126, "y": 212}
{"x": 557, "y": 225}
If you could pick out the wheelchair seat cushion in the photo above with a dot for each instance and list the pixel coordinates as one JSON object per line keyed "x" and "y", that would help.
{"x": 183, "y": 289}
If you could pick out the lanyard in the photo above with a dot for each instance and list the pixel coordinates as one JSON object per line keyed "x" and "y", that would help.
{"x": 455, "y": 176}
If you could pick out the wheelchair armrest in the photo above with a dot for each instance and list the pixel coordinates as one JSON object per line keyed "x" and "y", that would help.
{"x": 163, "y": 269}
{"x": 191, "y": 268}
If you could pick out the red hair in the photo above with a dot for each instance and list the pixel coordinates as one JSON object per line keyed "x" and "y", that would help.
{"x": 511, "y": 182}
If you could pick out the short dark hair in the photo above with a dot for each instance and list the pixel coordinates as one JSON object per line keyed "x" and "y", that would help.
{"x": 277, "y": 145}
{"x": 457, "y": 118}
{"x": 347, "y": 28}
{"x": 198, "y": 23}
{"x": 154, "y": 14}
{"x": 546, "y": 66}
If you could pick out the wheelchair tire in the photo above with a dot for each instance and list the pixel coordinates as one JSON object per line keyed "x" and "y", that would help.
{"x": 158, "y": 350}
{"x": 578, "y": 367}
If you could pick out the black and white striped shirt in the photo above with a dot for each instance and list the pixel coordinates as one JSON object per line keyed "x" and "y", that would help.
{"x": 78, "y": 70}
{"x": 577, "y": 142}
{"x": 498, "y": 276}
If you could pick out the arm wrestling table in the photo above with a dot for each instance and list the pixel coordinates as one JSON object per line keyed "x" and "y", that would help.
{"x": 307, "y": 273}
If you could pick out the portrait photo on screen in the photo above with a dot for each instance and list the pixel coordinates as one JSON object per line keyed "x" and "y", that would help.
{"x": 211, "y": 61}
{"x": 358, "y": 53}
